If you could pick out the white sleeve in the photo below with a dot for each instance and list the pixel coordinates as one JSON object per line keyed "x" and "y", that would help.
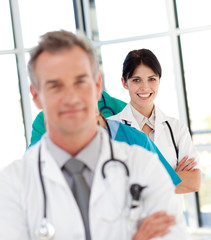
{"x": 185, "y": 144}
{"x": 159, "y": 195}
{"x": 12, "y": 220}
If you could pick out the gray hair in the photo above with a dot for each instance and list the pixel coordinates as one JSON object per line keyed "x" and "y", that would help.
{"x": 56, "y": 41}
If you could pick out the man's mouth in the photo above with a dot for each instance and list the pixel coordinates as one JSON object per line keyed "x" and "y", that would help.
{"x": 72, "y": 111}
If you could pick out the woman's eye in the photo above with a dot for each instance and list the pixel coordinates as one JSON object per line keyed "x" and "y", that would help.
{"x": 136, "y": 80}
{"x": 152, "y": 79}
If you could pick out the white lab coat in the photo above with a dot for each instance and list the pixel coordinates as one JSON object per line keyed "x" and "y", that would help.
{"x": 162, "y": 137}
{"x": 21, "y": 197}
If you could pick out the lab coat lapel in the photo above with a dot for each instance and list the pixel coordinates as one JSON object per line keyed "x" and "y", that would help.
{"x": 50, "y": 168}
{"x": 108, "y": 195}
{"x": 160, "y": 119}
{"x": 71, "y": 213}
{"x": 126, "y": 114}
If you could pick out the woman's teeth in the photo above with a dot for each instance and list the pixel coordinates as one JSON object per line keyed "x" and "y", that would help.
{"x": 144, "y": 95}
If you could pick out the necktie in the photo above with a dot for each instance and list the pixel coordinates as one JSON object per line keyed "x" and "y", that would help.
{"x": 80, "y": 190}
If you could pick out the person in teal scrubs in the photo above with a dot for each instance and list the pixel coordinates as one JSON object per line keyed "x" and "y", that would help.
{"x": 107, "y": 105}
{"x": 110, "y": 106}
{"x": 117, "y": 131}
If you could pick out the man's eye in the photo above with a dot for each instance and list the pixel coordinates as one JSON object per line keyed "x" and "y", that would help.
{"x": 80, "y": 81}
{"x": 55, "y": 86}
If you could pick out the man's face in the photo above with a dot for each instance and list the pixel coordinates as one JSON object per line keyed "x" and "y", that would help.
{"x": 67, "y": 92}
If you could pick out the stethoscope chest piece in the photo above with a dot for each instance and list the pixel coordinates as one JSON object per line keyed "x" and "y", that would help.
{"x": 45, "y": 230}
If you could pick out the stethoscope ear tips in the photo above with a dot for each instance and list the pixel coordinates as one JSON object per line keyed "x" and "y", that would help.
{"x": 45, "y": 230}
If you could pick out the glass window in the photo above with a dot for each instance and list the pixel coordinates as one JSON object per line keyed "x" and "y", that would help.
{"x": 12, "y": 129}
{"x": 124, "y": 18}
{"x": 34, "y": 108}
{"x": 6, "y": 39}
{"x": 112, "y": 59}
{"x": 196, "y": 50}
{"x": 205, "y": 191}
{"x": 39, "y": 17}
{"x": 193, "y": 13}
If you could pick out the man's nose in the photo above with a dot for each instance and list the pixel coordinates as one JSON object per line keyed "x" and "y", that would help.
{"x": 70, "y": 95}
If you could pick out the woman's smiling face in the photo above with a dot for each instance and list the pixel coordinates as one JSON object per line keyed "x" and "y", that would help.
{"x": 143, "y": 87}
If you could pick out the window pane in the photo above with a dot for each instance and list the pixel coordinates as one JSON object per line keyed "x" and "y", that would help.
{"x": 34, "y": 108}
{"x": 128, "y": 18}
{"x": 193, "y": 13}
{"x": 6, "y": 39}
{"x": 11, "y": 124}
{"x": 112, "y": 60}
{"x": 205, "y": 191}
{"x": 196, "y": 57}
{"x": 40, "y": 16}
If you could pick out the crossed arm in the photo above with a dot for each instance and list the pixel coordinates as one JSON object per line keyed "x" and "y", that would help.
{"x": 191, "y": 178}
{"x": 156, "y": 225}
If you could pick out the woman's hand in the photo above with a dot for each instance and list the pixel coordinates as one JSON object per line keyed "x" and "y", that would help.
{"x": 186, "y": 164}
{"x": 156, "y": 225}
{"x": 191, "y": 177}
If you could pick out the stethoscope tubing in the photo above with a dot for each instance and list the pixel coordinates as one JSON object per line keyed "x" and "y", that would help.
{"x": 106, "y": 107}
{"x": 42, "y": 185}
{"x": 112, "y": 159}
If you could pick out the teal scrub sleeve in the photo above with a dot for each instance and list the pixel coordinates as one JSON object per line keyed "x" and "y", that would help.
{"x": 123, "y": 133}
{"x": 110, "y": 106}
{"x": 152, "y": 147}
{"x": 38, "y": 128}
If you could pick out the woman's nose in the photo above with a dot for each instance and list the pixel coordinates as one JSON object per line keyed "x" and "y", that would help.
{"x": 144, "y": 85}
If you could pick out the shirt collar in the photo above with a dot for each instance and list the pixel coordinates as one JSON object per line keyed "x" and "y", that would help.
{"x": 89, "y": 155}
{"x": 141, "y": 119}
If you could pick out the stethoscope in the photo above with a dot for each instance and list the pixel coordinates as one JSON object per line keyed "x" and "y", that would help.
{"x": 45, "y": 230}
{"x": 106, "y": 107}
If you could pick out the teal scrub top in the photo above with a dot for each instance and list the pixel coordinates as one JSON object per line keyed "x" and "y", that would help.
{"x": 110, "y": 106}
{"x": 123, "y": 133}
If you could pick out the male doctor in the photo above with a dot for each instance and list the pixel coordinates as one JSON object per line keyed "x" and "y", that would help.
{"x": 61, "y": 179}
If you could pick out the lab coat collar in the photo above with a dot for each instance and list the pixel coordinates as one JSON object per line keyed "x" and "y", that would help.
{"x": 107, "y": 195}
{"x": 160, "y": 119}
{"x": 127, "y": 115}
{"x": 50, "y": 168}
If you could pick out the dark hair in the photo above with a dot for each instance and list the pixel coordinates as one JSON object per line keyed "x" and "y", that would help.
{"x": 56, "y": 41}
{"x": 137, "y": 57}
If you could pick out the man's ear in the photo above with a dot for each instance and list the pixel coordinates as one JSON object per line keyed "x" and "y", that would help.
{"x": 124, "y": 84}
{"x": 99, "y": 86}
{"x": 35, "y": 96}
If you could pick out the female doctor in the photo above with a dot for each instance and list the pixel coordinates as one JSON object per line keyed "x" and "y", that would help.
{"x": 141, "y": 77}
